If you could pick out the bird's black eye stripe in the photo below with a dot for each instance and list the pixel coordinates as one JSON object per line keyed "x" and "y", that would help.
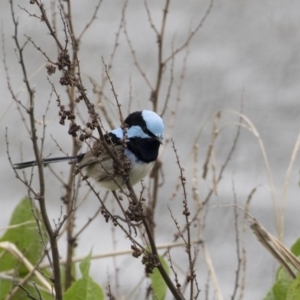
{"x": 147, "y": 131}
{"x": 136, "y": 119}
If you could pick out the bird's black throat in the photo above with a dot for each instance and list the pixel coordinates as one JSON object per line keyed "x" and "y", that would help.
{"x": 145, "y": 149}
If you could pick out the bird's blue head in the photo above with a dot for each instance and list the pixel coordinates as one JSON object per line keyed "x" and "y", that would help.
{"x": 143, "y": 124}
{"x": 143, "y": 135}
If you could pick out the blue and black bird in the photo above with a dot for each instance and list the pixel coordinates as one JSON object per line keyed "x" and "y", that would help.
{"x": 136, "y": 145}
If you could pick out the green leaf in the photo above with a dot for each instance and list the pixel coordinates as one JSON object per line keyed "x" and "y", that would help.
{"x": 296, "y": 248}
{"x": 280, "y": 288}
{"x": 25, "y": 236}
{"x": 294, "y": 290}
{"x": 159, "y": 286}
{"x": 283, "y": 281}
{"x": 84, "y": 288}
{"x": 85, "y": 265}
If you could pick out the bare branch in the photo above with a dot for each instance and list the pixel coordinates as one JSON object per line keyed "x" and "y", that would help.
{"x": 193, "y": 32}
{"x": 94, "y": 16}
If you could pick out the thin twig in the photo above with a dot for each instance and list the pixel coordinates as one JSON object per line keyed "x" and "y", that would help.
{"x": 94, "y": 16}
{"x": 192, "y": 34}
{"x": 237, "y": 243}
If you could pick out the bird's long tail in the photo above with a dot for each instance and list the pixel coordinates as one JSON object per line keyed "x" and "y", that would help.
{"x": 27, "y": 164}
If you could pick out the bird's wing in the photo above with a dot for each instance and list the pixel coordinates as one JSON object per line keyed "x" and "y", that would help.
{"x": 99, "y": 164}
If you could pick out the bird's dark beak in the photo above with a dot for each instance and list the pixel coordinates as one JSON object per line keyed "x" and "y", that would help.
{"x": 159, "y": 138}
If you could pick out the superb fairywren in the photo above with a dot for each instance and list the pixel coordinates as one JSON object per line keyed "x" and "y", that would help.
{"x": 136, "y": 145}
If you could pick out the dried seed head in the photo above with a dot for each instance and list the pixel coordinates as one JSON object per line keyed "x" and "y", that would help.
{"x": 50, "y": 69}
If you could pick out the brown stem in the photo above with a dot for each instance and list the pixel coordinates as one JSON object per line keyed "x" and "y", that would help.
{"x": 160, "y": 267}
{"x": 41, "y": 197}
{"x": 161, "y": 64}
{"x": 70, "y": 226}
{"x": 69, "y": 196}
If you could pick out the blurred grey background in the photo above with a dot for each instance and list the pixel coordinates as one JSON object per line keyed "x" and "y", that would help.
{"x": 245, "y": 51}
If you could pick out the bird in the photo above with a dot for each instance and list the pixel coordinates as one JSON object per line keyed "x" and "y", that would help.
{"x": 136, "y": 145}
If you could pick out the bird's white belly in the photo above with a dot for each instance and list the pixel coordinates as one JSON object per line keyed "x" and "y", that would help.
{"x": 137, "y": 172}
{"x": 139, "y": 169}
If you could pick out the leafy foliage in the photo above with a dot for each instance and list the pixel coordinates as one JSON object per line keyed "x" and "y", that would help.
{"x": 84, "y": 288}
{"x": 23, "y": 233}
{"x": 285, "y": 288}
{"x": 159, "y": 286}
